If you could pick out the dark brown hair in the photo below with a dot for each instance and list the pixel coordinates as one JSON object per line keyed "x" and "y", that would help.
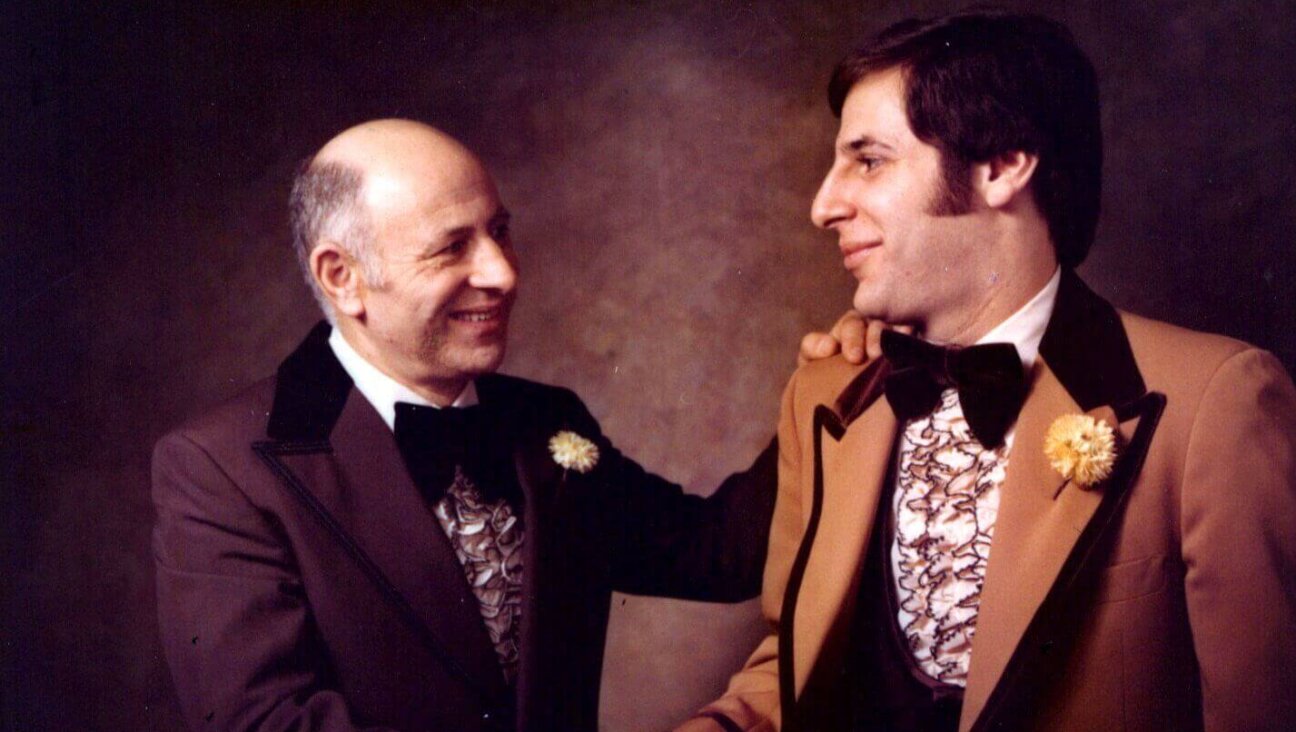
{"x": 987, "y": 83}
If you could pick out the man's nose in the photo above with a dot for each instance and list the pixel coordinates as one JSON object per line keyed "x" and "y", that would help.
{"x": 829, "y": 205}
{"x": 493, "y": 266}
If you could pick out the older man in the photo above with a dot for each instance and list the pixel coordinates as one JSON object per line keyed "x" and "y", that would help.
{"x": 1046, "y": 514}
{"x": 387, "y": 535}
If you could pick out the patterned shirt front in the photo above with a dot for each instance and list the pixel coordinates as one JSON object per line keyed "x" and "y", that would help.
{"x": 487, "y": 539}
{"x": 945, "y": 504}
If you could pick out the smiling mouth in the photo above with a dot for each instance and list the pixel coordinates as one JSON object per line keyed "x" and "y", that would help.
{"x": 854, "y": 254}
{"x": 479, "y": 315}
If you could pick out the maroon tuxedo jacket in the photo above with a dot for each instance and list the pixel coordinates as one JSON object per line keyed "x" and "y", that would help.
{"x": 304, "y": 584}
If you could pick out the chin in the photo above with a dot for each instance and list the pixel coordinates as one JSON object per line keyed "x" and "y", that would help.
{"x": 478, "y": 361}
{"x": 866, "y": 304}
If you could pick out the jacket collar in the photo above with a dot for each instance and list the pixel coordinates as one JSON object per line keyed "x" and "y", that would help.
{"x": 312, "y": 387}
{"x": 321, "y": 436}
{"x": 310, "y": 391}
{"x": 1084, "y": 345}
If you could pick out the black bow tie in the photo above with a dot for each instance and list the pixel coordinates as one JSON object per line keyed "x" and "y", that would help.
{"x": 989, "y": 378}
{"x": 434, "y": 441}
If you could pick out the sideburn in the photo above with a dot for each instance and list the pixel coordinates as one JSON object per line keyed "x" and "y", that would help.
{"x": 954, "y": 197}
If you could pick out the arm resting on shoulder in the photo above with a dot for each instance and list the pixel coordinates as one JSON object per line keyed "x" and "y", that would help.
{"x": 675, "y": 544}
{"x": 666, "y": 542}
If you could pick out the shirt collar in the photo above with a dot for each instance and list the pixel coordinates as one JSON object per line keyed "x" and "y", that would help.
{"x": 1025, "y": 328}
{"x": 381, "y": 390}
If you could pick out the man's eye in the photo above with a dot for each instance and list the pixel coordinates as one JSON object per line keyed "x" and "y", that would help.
{"x": 868, "y": 162}
{"x": 500, "y": 232}
{"x": 455, "y": 247}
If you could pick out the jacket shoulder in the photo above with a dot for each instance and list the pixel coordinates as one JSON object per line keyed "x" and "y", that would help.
{"x": 516, "y": 388}
{"x": 239, "y": 420}
{"x": 822, "y": 381}
{"x": 1173, "y": 358}
{"x": 541, "y": 403}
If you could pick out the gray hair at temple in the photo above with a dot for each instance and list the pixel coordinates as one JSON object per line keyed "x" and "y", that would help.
{"x": 325, "y": 203}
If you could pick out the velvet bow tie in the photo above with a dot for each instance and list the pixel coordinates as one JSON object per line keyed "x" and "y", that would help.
{"x": 434, "y": 441}
{"x": 989, "y": 378}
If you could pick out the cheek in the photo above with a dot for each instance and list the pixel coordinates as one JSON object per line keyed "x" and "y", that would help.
{"x": 892, "y": 202}
{"x": 894, "y": 212}
{"x": 431, "y": 299}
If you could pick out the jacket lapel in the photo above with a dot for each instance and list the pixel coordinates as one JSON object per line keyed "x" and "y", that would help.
{"x": 1047, "y": 530}
{"x": 330, "y": 448}
{"x": 852, "y": 445}
{"x": 854, "y": 472}
{"x": 1033, "y": 536}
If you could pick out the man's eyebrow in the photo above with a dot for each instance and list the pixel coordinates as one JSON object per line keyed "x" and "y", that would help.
{"x": 457, "y": 232}
{"x": 501, "y": 216}
{"x": 860, "y": 143}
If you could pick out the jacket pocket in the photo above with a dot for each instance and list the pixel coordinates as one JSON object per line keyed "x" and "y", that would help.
{"x": 1132, "y": 579}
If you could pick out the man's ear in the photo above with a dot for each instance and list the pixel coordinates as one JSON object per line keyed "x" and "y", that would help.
{"x": 1001, "y": 179}
{"x": 338, "y": 276}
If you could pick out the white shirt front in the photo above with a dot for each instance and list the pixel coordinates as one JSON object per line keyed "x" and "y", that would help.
{"x": 381, "y": 390}
{"x": 945, "y": 503}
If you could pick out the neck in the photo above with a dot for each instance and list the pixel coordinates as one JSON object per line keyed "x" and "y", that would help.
{"x": 1002, "y": 290}
{"x": 441, "y": 392}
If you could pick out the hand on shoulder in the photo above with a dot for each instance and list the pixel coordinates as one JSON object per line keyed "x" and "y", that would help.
{"x": 853, "y": 336}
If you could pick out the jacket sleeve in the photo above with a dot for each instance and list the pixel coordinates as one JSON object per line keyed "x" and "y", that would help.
{"x": 751, "y": 702}
{"x": 663, "y": 541}
{"x": 235, "y": 626}
{"x": 1238, "y": 523}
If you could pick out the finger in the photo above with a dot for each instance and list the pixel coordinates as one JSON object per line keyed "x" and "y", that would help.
{"x": 815, "y": 346}
{"x": 853, "y": 333}
{"x": 847, "y": 320}
{"x": 874, "y": 340}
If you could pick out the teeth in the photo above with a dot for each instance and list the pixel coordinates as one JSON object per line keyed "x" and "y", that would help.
{"x": 476, "y": 317}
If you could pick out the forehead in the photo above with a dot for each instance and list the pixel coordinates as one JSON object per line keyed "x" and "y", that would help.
{"x": 452, "y": 193}
{"x": 875, "y": 110}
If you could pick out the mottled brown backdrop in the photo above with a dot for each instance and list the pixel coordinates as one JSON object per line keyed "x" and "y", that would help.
{"x": 660, "y": 159}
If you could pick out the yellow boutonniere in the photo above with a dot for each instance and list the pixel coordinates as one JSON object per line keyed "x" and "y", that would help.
{"x": 1081, "y": 448}
{"x": 573, "y": 452}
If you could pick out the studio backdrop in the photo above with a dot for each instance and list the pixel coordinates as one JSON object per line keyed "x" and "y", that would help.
{"x": 659, "y": 159}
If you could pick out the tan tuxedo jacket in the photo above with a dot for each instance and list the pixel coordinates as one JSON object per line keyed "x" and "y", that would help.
{"x": 1161, "y": 599}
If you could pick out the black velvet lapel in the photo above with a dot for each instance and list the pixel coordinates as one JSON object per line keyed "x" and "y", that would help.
{"x": 1086, "y": 347}
{"x": 862, "y": 391}
{"x": 310, "y": 392}
{"x": 514, "y": 412}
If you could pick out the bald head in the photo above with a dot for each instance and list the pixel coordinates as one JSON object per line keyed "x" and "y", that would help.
{"x": 368, "y": 171}
{"x": 395, "y": 147}
{"x": 406, "y": 244}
